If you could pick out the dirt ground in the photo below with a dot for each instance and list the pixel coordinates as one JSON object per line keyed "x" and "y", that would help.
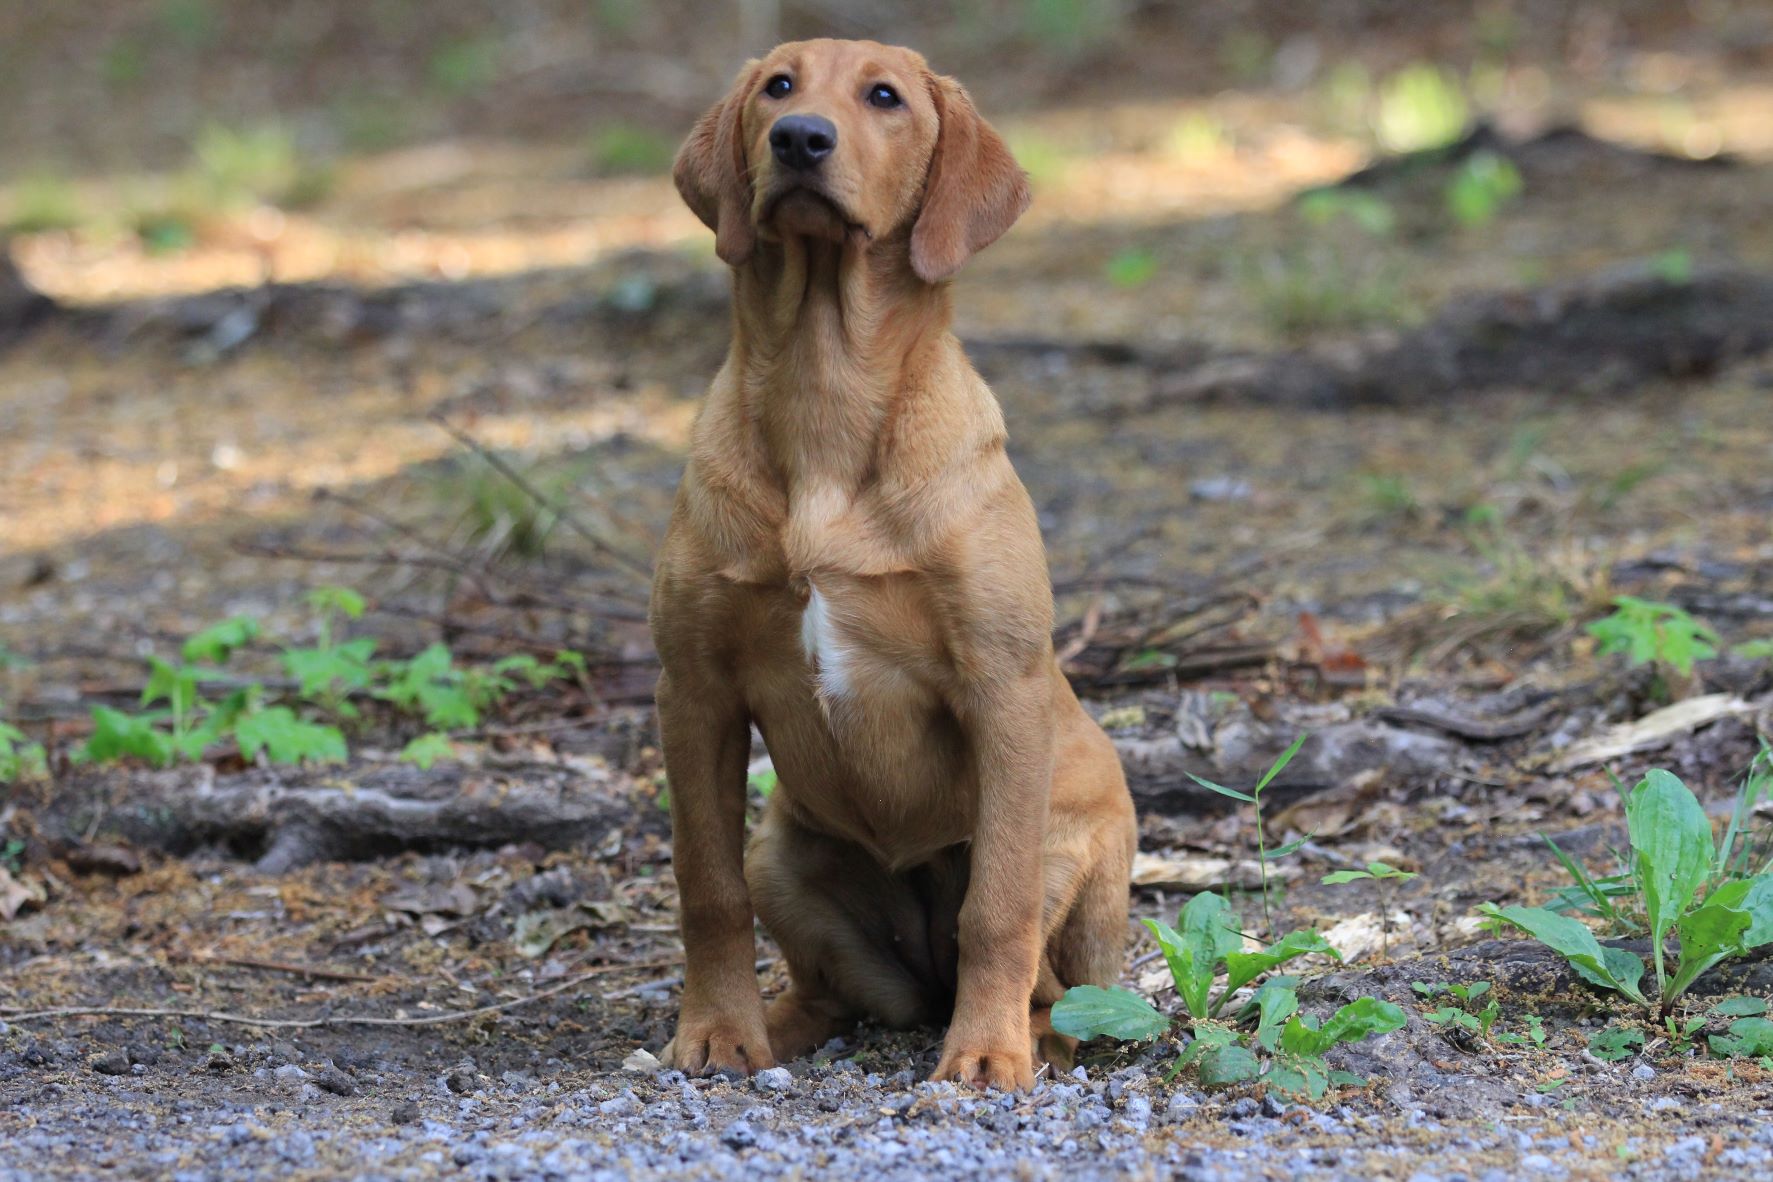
{"x": 1294, "y": 475}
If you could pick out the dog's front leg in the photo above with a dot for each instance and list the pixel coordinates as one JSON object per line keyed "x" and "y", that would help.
{"x": 707, "y": 740}
{"x": 989, "y": 1041}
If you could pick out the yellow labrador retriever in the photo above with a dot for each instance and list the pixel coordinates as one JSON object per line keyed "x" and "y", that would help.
{"x": 853, "y": 566}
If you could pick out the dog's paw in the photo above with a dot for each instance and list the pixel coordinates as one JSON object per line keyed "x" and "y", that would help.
{"x": 1007, "y": 1069}
{"x": 717, "y": 1046}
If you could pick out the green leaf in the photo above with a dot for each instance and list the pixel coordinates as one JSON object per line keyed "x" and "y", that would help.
{"x": 1275, "y": 1003}
{"x": 1599, "y": 897}
{"x": 1244, "y": 967}
{"x": 1292, "y": 847}
{"x": 1735, "y": 918}
{"x": 1360, "y": 1018}
{"x": 1280, "y": 764}
{"x": 1671, "y": 844}
{"x": 174, "y": 685}
{"x": 1740, "y": 1007}
{"x": 1609, "y": 968}
{"x": 1221, "y": 1067}
{"x": 1338, "y": 877}
{"x": 1221, "y": 789}
{"x": 1748, "y": 1038}
{"x": 338, "y": 669}
{"x": 284, "y": 738}
{"x": 343, "y": 600}
{"x": 427, "y": 749}
{"x": 1298, "y": 1076}
{"x": 763, "y": 782}
{"x": 116, "y": 735}
{"x": 1386, "y": 870}
{"x": 1087, "y": 1011}
{"x": 1209, "y": 932}
{"x": 216, "y": 643}
{"x": 1615, "y": 1043}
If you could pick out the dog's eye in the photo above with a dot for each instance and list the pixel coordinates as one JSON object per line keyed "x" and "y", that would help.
{"x": 884, "y": 97}
{"x": 779, "y": 87}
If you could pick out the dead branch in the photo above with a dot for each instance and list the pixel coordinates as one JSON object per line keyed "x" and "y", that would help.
{"x": 18, "y": 1015}
{"x": 597, "y": 541}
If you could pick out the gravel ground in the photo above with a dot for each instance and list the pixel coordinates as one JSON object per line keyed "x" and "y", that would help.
{"x": 266, "y": 1111}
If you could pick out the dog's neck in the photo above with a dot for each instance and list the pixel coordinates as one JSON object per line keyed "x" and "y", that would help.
{"x": 826, "y": 333}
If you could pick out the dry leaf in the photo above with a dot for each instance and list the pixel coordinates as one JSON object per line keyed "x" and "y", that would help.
{"x": 1655, "y": 729}
{"x": 642, "y": 1062}
{"x": 15, "y": 896}
{"x": 1198, "y": 872}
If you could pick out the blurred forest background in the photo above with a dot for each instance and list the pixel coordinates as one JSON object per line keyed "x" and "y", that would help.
{"x": 1393, "y": 370}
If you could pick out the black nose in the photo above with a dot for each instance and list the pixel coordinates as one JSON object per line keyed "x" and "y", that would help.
{"x": 801, "y": 141}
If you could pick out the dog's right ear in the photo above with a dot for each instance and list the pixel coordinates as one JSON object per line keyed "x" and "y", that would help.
{"x": 712, "y": 174}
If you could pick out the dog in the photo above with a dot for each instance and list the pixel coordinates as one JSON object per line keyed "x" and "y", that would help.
{"x": 853, "y": 567}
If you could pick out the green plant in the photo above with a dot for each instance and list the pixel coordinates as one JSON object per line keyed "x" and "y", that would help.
{"x": 622, "y": 148}
{"x": 462, "y": 67}
{"x": 1673, "y": 266}
{"x": 1521, "y": 589}
{"x": 1206, "y": 942}
{"x": 1133, "y": 267}
{"x": 327, "y": 674}
{"x": 1254, "y": 799}
{"x": 1389, "y": 494}
{"x": 1420, "y": 107}
{"x": 1326, "y": 284}
{"x": 1681, "y": 1034}
{"x": 1481, "y": 186}
{"x": 1199, "y": 139}
{"x": 286, "y": 738}
{"x": 20, "y": 757}
{"x": 1071, "y": 26}
{"x": 42, "y": 202}
{"x": 1614, "y": 1043}
{"x": 427, "y": 749}
{"x": 1339, "y": 205}
{"x": 500, "y": 516}
{"x": 331, "y": 670}
{"x": 1482, "y": 1023}
{"x": 1534, "y": 1035}
{"x": 1647, "y": 632}
{"x": 1749, "y": 1036}
{"x": 1386, "y": 875}
{"x": 1689, "y": 886}
{"x": 240, "y": 165}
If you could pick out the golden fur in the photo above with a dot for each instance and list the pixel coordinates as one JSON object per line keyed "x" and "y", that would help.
{"x": 853, "y": 566}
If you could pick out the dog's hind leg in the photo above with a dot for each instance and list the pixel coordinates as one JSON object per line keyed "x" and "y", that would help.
{"x": 857, "y": 937}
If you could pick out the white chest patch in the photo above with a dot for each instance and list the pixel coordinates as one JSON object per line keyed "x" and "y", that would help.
{"x": 824, "y": 648}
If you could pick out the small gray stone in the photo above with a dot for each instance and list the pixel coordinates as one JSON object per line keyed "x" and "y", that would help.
{"x": 1643, "y": 1071}
{"x": 773, "y": 1079}
{"x": 1181, "y": 1106}
{"x": 333, "y": 1080}
{"x": 112, "y": 1063}
{"x": 738, "y": 1135}
{"x": 289, "y": 1073}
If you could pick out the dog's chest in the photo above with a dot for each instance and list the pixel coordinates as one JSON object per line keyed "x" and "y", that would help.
{"x": 847, "y": 693}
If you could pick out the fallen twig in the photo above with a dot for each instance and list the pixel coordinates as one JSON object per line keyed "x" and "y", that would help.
{"x": 278, "y": 966}
{"x": 15, "y": 1015}
{"x": 603, "y": 545}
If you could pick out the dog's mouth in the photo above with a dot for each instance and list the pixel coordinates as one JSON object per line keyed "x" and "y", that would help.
{"x": 803, "y": 211}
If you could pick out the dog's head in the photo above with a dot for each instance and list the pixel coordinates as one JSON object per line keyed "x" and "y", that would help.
{"x": 850, "y": 141}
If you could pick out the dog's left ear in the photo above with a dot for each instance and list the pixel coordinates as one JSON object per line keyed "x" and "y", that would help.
{"x": 713, "y": 176}
{"x": 975, "y": 190}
